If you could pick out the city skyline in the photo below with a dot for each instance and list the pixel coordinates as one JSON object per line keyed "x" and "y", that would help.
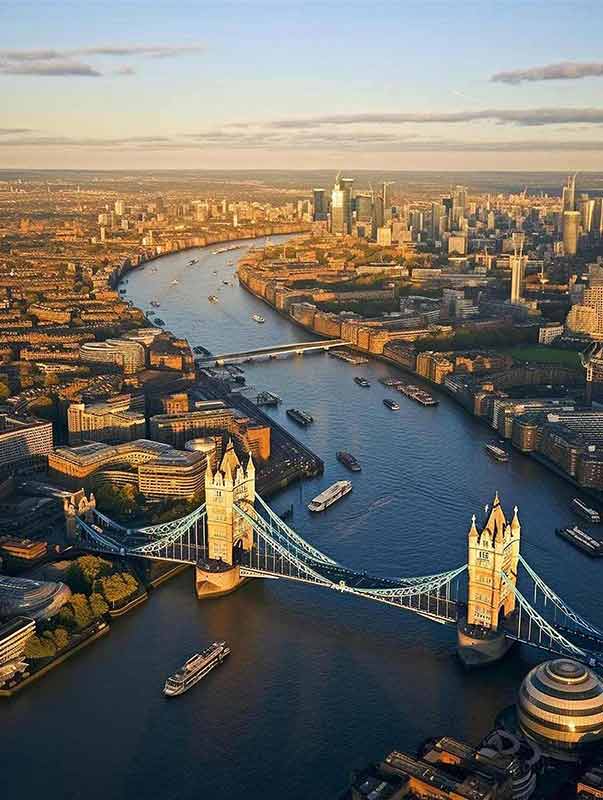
{"x": 255, "y": 86}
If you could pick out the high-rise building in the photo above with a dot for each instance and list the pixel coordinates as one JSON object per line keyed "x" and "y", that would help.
{"x": 320, "y": 205}
{"x": 568, "y": 195}
{"x": 341, "y": 206}
{"x": 597, "y": 220}
{"x": 518, "y": 264}
{"x": 364, "y": 207}
{"x": 571, "y": 229}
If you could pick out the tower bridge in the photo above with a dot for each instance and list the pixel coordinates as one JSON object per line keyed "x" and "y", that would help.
{"x": 494, "y": 599}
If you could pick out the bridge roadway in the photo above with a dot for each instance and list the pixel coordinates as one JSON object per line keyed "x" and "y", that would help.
{"x": 296, "y": 348}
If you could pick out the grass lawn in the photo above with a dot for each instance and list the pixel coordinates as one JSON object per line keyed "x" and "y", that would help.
{"x": 544, "y": 354}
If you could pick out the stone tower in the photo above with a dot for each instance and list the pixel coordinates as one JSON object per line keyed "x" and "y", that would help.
{"x": 230, "y": 484}
{"x": 491, "y": 551}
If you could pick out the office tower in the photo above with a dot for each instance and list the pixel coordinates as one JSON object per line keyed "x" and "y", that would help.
{"x": 320, "y": 204}
{"x": 518, "y": 268}
{"x": 437, "y": 211}
{"x": 586, "y": 207}
{"x": 341, "y": 206}
{"x": 459, "y": 203}
{"x": 571, "y": 227}
{"x": 120, "y": 208}
{"x": 569, "y": 194}
{"x": 364, "y": 207}
{"x": 597, "y": 221}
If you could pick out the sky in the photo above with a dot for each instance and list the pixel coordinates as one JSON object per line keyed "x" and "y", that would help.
{"x": 302, "y": 85}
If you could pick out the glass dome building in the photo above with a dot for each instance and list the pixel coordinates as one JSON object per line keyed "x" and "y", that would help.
{"x": 561, "y": 705}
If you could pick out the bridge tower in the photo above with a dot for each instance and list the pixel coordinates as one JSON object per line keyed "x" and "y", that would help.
{"x": 230, "y": 484}
{"x": 491, "y": 551}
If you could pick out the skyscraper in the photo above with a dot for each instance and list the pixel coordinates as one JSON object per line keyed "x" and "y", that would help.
{"x": 518, "y": 268}
{"x": 571, "y": 227}
{"x": 569, "y": 194}
{"x": 320, "y": 204}
{"x": 341, "y": 206}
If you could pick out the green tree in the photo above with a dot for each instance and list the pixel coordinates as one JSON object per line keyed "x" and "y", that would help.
{"x": 98, "y": 606}
{"x": 39, "y": 647}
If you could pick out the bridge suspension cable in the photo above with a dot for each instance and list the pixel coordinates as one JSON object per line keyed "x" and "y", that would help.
{"x": 563, "y": 645}
{"x": 558, "y": 602}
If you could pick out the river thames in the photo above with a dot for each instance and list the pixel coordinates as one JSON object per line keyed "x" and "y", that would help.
{"x": 318, "y": 683}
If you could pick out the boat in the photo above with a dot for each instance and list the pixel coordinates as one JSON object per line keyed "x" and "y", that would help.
{"x": 391, "y": 404}
{"x": 584, "y": 511}
{"x": 331, "y": 495}
{"x": 258, "y": 318}
{"x": 202, "y": 351}
{"x": 193, "y": 261}
{"x": 497, "y": 453}
{"x": 361, "y": 381}
{"x": 196, "y": 668}
{"x": 582, "y": 540}
{"x": 158, "y": 321}
{"x": 300, "y": 416}
{"x": 349, "y": 461}
{"x": 175, "y": 282}
{"x": 155, "y": 303}
{"x": 226, "y": 249}
{"x": 212, "y": 298}
{"x": 226, "y": 283}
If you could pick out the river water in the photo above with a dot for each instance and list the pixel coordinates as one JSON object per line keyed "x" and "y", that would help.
{"x": 317, "y": 683}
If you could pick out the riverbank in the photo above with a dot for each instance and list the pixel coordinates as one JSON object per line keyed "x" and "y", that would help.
{"x": 102, "y": 630}
{"x": 244, "y": 235}
{"x": 440, "y": 387}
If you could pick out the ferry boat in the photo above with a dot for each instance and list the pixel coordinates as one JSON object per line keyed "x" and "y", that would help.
{"x": 497, "y": 453}
{"x": 391, "y": 404}
{"x": 349, "y": 461}
{"x": 258, "y": 318}
{"x": 212, "y": 298}
{"x": 196, "y": 668}
{"x": 361, "y": 382}
{"x": 299, "y": 416}
{"x": 331, "y": 495}
{"x": 584, "y": 511}
{"x": 582, "y": 540}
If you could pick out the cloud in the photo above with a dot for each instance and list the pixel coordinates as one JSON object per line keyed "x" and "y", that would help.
{"x": 51, "y": 69}
{"x": 13, "y": 131}
{"x": 217, "y": 139}
{"x": 152, "y": 51}
{"x": 564, "y": 71}
{"x": 524, "y": 117}
{"x": 63, "y": 63}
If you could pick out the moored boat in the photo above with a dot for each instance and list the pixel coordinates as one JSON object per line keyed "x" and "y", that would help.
{"x": 584, "y": 511}
{"x": 582, "y": 540}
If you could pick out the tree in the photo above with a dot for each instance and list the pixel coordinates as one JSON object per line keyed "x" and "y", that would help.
{"x": 61, "y": 638}
{"x": 98, "y": 606}
{"x": 38, "y": 647}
